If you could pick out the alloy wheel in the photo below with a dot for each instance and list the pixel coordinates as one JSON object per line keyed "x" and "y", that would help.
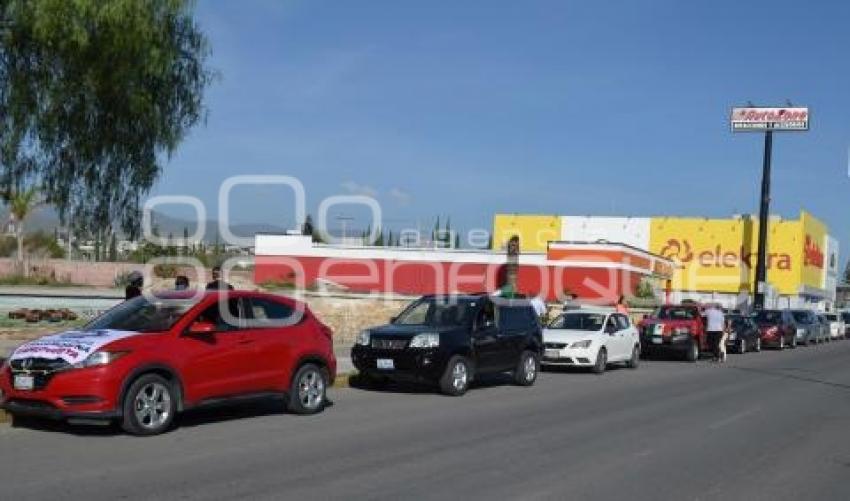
{"x": 530, "y": 368}
{"x": 460, "y": 376}
{"x": 311, "y": 389}
{"x": 152, "y": 406}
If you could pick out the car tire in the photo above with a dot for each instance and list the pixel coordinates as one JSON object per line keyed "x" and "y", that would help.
{"x": 527, "y": 369}
{"x": 457, "y": 376}
{"x": 149, "y": 406}
{"x": 308, "y": 390}
{"x": 742, "y": 346}
{"x": 634, "y": 362}
{"x": 601, "y": 361}
{"x": 692, "y": 354}
{"x": 757, "y": 347}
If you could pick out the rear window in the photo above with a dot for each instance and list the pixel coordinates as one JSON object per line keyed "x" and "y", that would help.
{"x": 802, "y": 316}
{"x": 676, "y": 313}
{"x": 515, "y": 317}
{"x": 769, "y": 317}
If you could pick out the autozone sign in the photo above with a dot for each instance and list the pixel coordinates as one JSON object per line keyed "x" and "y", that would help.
{"x": 769, "y": 119}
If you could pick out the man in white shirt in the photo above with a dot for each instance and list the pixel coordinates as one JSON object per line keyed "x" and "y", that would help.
{"x": 716, "y": 324}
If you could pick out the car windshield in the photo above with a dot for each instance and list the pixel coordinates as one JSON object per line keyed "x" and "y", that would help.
{"x": 801, "y": 316}
{"x": 769, "y": 317}
{"x": 437, "y": 312}
{"x": 676, "y": 313}
{"x": 140, "y": 315}
{"x": 579, "y": 321}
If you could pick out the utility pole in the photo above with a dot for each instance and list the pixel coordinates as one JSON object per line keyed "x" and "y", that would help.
{"x": 760, "y": 286}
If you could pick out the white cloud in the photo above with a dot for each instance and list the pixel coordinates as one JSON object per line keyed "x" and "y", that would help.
{"x": 400, "y": 196}
{"x": 359, "y": 189}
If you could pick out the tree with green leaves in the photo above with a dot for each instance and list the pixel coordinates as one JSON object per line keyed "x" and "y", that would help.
{"x": 21, "y": 203}
{"x": 94, "y": 96}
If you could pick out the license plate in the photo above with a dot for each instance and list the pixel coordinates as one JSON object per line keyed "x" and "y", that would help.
{"x": 552, "y": 354}
{"x": 23, "y": 382}
{"x": 385, "y": 363}
{"x": 657, "y": 340}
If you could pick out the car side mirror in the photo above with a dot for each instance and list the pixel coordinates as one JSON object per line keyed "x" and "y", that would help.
{"x": 201, "y": 327}
{"x": 610, "y": 329}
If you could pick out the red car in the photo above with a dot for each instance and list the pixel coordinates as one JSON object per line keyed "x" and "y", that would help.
{"x": 144, "y": 361}
{"x": 676, "y": 329}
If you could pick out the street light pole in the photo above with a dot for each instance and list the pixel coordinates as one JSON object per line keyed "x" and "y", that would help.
{"x": 760, "y": 286}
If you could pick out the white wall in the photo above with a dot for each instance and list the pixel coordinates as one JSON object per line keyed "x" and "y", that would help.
{"x": 632, "y": 231}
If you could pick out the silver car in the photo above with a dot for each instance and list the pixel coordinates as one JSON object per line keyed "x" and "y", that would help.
{"x": 809, "y": 330}
{"x": 836, "y": 325}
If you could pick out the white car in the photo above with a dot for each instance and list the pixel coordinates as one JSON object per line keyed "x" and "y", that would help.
{"x": 591, "y": 338}
{"x": 836, "y": 325}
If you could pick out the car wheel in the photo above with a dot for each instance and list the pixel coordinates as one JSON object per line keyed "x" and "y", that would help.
{"x": 758, "y": 345}
{"x": 601, "y": 361}
{"x": 308, "y": 392}
{"x": 742, "y": 346}
{"x": 693, "y": 352}
{"x": 457, "y": 376}
{"x": 635, "y": 360}
{"x": 149, "y": 406}
{"x": 527, "y": 370}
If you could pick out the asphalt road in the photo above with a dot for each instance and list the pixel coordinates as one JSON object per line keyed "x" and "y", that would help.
{"x": 774, "y": 425}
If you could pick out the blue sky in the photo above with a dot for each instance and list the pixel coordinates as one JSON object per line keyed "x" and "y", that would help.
{"x": 569, "y": 107}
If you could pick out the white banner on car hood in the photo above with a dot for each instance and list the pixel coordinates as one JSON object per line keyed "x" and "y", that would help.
{"x": 70, "y": 346}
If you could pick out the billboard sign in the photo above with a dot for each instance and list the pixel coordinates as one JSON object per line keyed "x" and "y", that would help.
{"x": 770, "y": 119}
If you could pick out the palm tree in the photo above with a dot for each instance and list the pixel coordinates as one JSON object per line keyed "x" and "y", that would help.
{"x": 21, "y": 204}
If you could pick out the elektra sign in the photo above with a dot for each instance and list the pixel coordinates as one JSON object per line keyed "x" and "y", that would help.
{"x": 770, "y": 119}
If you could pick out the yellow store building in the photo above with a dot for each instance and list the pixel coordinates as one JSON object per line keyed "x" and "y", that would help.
{"x": 716, "y": 258}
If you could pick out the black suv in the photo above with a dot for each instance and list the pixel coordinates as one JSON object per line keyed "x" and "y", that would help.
{"x": 450, "y": 339}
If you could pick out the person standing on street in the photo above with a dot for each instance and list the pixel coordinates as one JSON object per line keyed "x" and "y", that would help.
{"x": 217, "y": 283}
{"x": 621, "y": 306}
{"x": 135, "y": 281}
{"x": 715, "y": 326}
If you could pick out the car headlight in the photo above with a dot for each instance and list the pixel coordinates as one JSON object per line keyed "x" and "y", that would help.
{"x": 99, "y": 358}
{"x": 800, "y": 332}
{"x": 428, "y": 340}
{"x": 363, "y": 338}
{"x": 581, "y": 344}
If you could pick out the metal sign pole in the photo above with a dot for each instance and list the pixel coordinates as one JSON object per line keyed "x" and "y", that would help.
{"x": 760, "y": 288}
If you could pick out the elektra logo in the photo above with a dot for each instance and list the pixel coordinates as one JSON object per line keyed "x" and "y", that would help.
{"x": 682, "y": 251}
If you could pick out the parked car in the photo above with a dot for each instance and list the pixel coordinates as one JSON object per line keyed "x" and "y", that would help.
{"x": 777, "y": 328}
{"x": 592, "y": 339}
{"x": 144, "y": 361}
{"x": 744, "y": 334}
{"x": 674, "y": 329}
{"x": 450, "y": 340}
{"x": 809, "y": 329}
{"x": 845, "y": 316}
{"x": 836, "y": 325}
{"x": 824, "y": 327}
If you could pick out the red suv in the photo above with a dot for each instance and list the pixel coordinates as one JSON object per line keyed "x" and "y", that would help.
{"x": 674, "y": 328}
{"x": 145, "y": 360}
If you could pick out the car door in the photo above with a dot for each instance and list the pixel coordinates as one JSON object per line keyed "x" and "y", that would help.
{"x": 485, "y": 339}
{"x": 515, "y": 323}
{"x": 626, "y": 336}
{"x": 277, "y": 330}
{"x": 612, "y": 338}
{"x": 218, "y": 364}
